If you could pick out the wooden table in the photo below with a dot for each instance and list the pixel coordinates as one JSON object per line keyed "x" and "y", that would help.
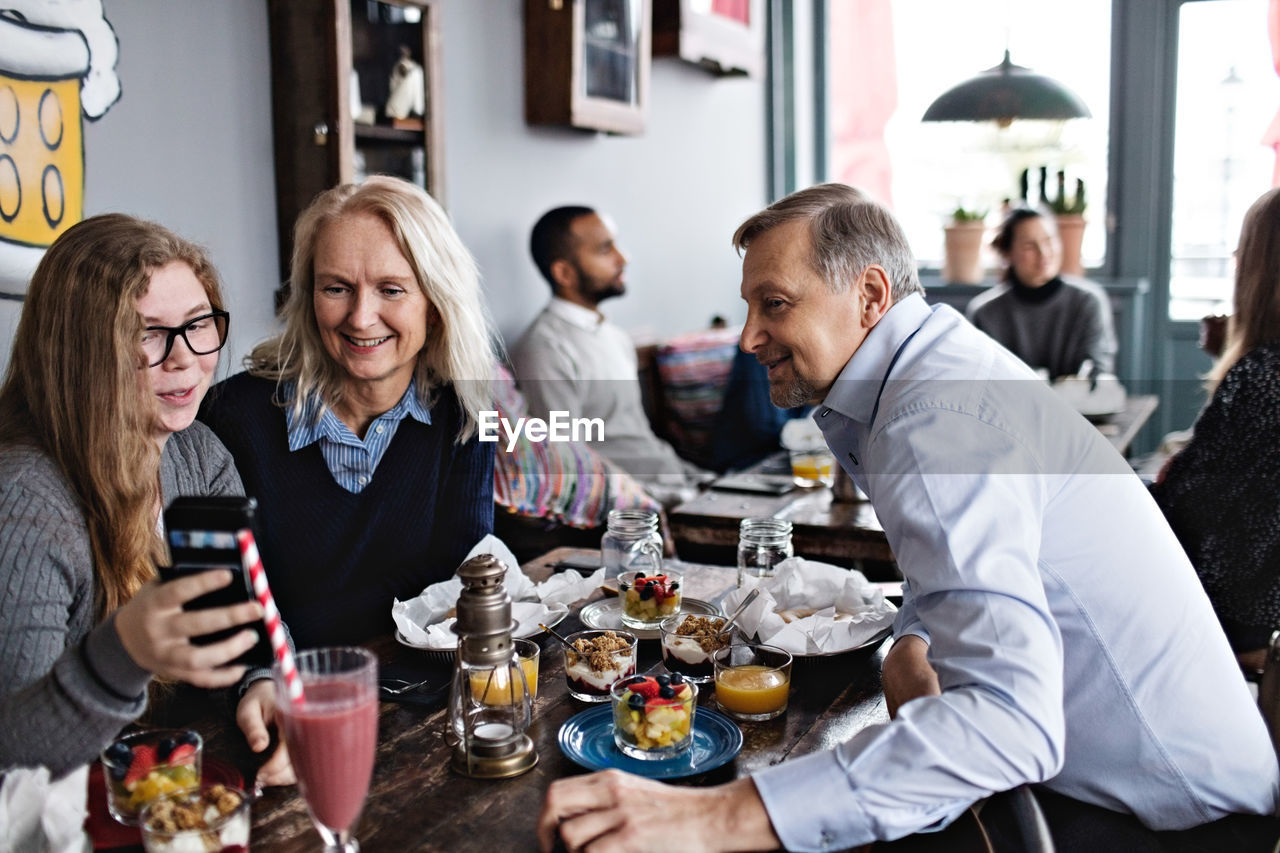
{"x": 417, "y": 803}
{"x": 1121, "y": 429}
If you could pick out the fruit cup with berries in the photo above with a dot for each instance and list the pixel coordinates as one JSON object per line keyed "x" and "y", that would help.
{"x": 653, "y": 715}
{"x": 648, "y": 599}
{"x": 143, "y": 766}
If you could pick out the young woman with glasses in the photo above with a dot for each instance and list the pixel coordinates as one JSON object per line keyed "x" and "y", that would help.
{"x": 116, "y": 346}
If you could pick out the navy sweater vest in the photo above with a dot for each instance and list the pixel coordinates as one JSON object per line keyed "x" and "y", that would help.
{"x": 335, "y": 560}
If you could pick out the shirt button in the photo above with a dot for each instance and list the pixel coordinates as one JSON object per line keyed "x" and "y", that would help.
{"x": 379, "y": 429}
{"x": 362, "y": 480}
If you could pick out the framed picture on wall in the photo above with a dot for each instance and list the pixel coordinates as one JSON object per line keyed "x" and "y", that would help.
{"x": 723, "y": 36}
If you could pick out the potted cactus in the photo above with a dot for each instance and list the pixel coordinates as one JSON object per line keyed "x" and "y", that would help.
{"x": 962, "y": 246}
{"x": 1069, "y": 214}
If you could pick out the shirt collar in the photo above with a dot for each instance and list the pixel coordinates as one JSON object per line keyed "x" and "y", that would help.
{"x": 858, "y": 385}
{"x": 307, "y": 428}
{"x": 571, "y": 312}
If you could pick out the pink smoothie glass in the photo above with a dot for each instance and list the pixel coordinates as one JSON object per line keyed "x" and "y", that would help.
{"x": 332, "y": 734}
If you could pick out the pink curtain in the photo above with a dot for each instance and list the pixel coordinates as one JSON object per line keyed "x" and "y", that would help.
{"x": 863, "y": 86}
{"x": 1272, "y": 136}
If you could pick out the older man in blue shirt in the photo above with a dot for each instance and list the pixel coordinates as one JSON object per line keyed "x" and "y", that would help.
{"x": 1052, "y": 631}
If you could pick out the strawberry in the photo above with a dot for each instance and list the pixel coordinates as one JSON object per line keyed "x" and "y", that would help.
{"x": 144, "y": 758}
{"x": 648, "y": 688}
{"x": 181, "y": 754}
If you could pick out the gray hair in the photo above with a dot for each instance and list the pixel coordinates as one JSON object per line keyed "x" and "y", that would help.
{"x": 850, "y": 231}
{"x": 462, "y": 350}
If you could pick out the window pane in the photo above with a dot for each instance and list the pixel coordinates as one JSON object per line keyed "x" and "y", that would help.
{"x": 1228, "y": 93}
{"x": 894, "y": 57}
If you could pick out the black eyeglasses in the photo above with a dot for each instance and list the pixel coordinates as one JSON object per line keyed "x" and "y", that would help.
{"x": 204, "y": 334}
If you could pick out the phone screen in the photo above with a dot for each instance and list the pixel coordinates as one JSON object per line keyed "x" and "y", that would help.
{"x": 201, "y": 532}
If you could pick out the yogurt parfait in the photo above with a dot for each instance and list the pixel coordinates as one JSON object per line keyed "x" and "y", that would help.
{"x": 653, "y": 715}
{"x": 145, "y": 766}
{"x": 648, "y": 599}
{"x": 215, "y": 820}
{"x": 689, "y": 641}
{"x": 595, "y": 660}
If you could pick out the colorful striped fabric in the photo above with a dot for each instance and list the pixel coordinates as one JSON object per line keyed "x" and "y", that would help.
{"x": 694, "y": 371}
{"x": 567, "y": 482}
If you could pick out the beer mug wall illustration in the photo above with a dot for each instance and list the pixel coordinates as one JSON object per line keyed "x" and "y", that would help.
{"x": 46, "y": 85}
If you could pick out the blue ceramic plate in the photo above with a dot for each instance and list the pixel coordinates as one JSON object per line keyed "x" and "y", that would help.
{"x": 587, "y": 738}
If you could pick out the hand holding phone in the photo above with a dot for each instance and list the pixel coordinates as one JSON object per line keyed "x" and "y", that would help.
{"x": 201, "y": 533}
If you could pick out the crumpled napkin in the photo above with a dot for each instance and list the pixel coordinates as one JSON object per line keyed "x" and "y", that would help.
{"x": 39, "y": 814}
{"x": 848, "y": 610}
{"x": 425, "y": 620}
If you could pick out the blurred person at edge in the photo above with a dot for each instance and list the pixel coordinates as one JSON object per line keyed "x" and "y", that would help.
{"x": 1221, "y": 491}
{"x": 116, "y": 346}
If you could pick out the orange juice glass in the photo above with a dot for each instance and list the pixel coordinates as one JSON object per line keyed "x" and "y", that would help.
{"x": 504, "y": 687}
{"x": 753, "y": 681}
{"x": 810, "y": 468}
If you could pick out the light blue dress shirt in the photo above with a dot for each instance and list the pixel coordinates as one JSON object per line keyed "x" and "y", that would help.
{"x": 351, "y": 460}
{"x": 1072, "y": 639}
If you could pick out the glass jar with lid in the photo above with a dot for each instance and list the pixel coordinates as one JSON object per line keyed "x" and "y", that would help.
{"x": 632, "y": 543}
{"x": 762, "y": 544}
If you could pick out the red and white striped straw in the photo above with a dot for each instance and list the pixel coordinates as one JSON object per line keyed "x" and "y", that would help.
{"x": 275, "y": 628}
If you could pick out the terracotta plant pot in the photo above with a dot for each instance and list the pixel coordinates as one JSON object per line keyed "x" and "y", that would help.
{"x": 1071, "y": 233}
{"x": 962, "y": 258}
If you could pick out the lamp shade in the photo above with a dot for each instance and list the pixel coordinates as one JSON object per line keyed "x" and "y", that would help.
{"x": 1004, "y": 93}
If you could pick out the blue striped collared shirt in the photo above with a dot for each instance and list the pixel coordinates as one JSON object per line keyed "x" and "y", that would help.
{"x": 351, "y": 460}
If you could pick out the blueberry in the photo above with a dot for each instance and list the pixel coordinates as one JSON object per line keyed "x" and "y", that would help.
{"x": 189, "y": 737}
{"x": 120, "y": 755}
{"x": 674, "y": 586}
{"x": 646, "y": 593}
{"x": 639, "y": 576}
{"x": 637, "y": 679}
{"x": 676, "y": 678}
{"x": 635, "y": 702}
{"x": 164, "y": 748}
{"x": 118, "y": 771}
{"x": 663, "y": 679}
{"x": 666, "y": 691}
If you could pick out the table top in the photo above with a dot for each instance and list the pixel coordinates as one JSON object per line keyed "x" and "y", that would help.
{"x": 416, "y": 802}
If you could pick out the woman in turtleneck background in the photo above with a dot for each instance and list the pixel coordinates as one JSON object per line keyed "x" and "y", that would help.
{"x": 1055, "y": 323}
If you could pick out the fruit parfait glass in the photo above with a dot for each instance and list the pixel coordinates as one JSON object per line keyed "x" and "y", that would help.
{"x": 648, "y": 599}
{"x": 653, "y": 715}
{"x": 595, "y": 660}
{"x": 753, "y": 680}
{"x": 147, "y": 765}
{"x": 688, "y": 641}
{"x": 213, "y": 820}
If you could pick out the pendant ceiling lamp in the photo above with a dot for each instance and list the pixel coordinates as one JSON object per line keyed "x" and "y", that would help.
{"x": 1005, "y": 93}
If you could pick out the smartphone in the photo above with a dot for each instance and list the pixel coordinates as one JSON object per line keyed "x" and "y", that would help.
{"x": 201, "y": 533}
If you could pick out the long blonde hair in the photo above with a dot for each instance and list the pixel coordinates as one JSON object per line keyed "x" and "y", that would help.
{"x": 1256, "y": 318}
{"x": 72, "y": 388}
{"x": 461, "y": 350}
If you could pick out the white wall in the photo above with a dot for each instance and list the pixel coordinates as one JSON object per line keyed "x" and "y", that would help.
{"x": 676, "y": 193}
{"x": 189, "y": 144}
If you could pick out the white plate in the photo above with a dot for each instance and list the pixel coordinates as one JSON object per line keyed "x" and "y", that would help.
{"x": 606, "y": 615}
{"x": 557, "y": 614}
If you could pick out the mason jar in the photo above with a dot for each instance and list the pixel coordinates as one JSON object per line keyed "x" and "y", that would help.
{"x": 762, "y": 544}
{"x": 632, "y": 543}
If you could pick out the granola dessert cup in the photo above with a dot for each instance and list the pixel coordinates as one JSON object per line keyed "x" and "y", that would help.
{"x": 143, "y": 766}
{"x": 689, "y": 641}
{"x": 595, "y": 660}
{"x": 653, "y": 716}
{"x": 648, "y": 599}
{"x": 213, "y": 820}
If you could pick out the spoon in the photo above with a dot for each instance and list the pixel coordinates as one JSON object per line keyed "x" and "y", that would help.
{"x": 751, "y": 596}
{"x": 553, "y": 632}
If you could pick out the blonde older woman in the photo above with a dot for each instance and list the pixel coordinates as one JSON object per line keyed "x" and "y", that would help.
{"x": 356, "y": 428}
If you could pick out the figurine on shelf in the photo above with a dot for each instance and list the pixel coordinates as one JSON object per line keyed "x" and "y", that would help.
{"x": 408, "y": 89}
